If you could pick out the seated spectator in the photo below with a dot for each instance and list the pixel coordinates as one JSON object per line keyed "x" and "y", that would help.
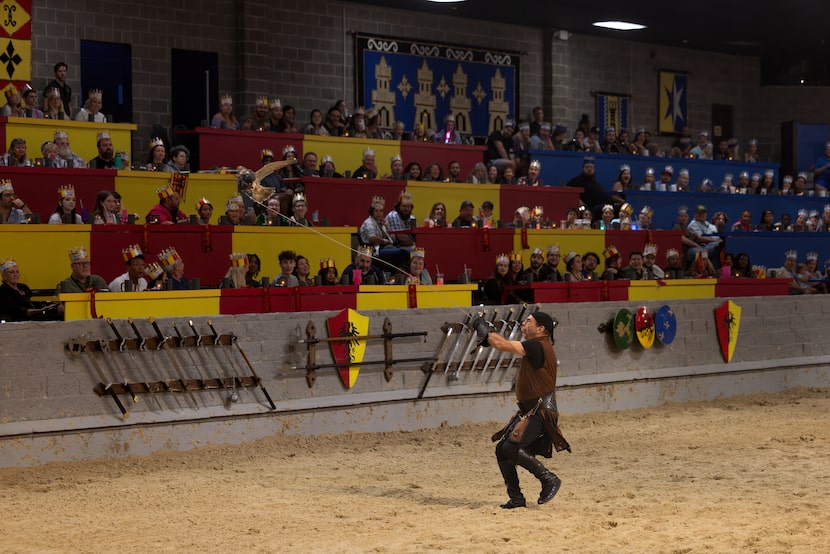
{"x": 434, "y": 173}
{"x": 449, "y": 134}
{"x": 14, "y": 106}
{"x": 532, "y": 178}
{"x": 131, "y": 280}
{"x": 742, "y": 268}
{"x": 634, "y": 270}
{"x": 17, "y": 155}
{"x": 173, "y": 266}
{"x": 155, "y": 276}
{"x": 612, "y": 264}
{"x": 493, "y": 175}
{"x": 302, "y": 271}
{"x": 54, "y": 106}
{"x": 813, "y": 276}
{"x": 800, "y": 223}
{"x": 399, "y": 132}
{"x": 374, "y": 232}
{"x": 605, "y": 221}
{"x": 275, "y": 115}
{"x": 106, "y": 210}
{"x": 310, "y": 165}
{"x": 590, "y": 262}
{"x": 573, "y": 268}
{"x": 401, "y": 219}
{"x": 767, "y": 182}
{"x": 499, "y": 150}
{"x": 521, "y": 149}
{"x": 16, "y": 298}
{"x": 570, "y": 218}
{"x": 65, "y": 210}
{"x": 751, "y": 154}
{"x": 252, "y": 273}
{"x": 157, "y": 156}
{"x": 644, "y": 219}
{"x": 623, "y": 181}
{"x": 287, "y": 122}
{"x": 412, "y": 172}
{"x": 66, "y": 158}
{"x": 550, "y": 271}
{"x": 292, "y": 171}
{"x": 784, "y": 224}
{"x": 49, "y": 152}
{"x": 508, "y": 177}
{"x": 516, "y": 266}
{"x": 623, "y": 220}
{"x": 420, "y": 133}
{"x": 701, "y": 266}
{"x": 81, "y": 278}
{"x": 233, "y": 212}
{"x": 167, "y": 210}
{"x": 638, "y": 145}
{"x": 357, "y": 124}
{"x": 369, "y": 272}
{"x": 800, "y": 184}
{"x": 334, "y": 125}
{"x": 225, "y": 118}
{"x": 373, "y": 125}
{"x": 300, "y": 209}
{"x": 577, "y": 142}
{"x": 271, "y": 216}
{"x": 437, "y": 216}
{"x": 744, "y": 223}
{"x": 259, "y": 120}
{"x": 649, "y": 258}
{"x": 494, "y": 285}
{"x": 396, "y": 172}
{"x": 30, "y": 109}
{"x": 92, "y": 108}
{"x": 367, "y": 169}
{"x": 465, "y": 215}
{"x": 704, "y": 234}
{"x": 521, "y": 218}
{"x": 767, "y": 221}
{"x": 533, "y": 272}
{"x": 485, "y": 216}
{"x": 682, "y": 184}
{"x": 236, "y": 277}
{"x": 106, "y": 153}
{"x": 179, "y": 158}
{"x": 649, "y": 181}
{"x": 823, "y": 225}
{"x": 542, "y": 139}
{"x": 328, "y": 273}
{"x": 560, "y": 137}
{"x": 12, "y": 209}
{"x": 674, "y": 265}
{"x": 813, "y": 221}
{"x": 315, "y": 125}
{"x": 415, "y": 272}
{"x": 453, "y": 173}
{"x": 478, "y": 175}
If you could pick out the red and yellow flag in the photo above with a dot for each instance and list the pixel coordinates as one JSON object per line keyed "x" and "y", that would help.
{"x": 15, "y": 44}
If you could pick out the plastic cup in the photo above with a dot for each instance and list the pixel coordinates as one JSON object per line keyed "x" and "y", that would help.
{"x": 357, "y": 276}
{"x": 439, "y": 278}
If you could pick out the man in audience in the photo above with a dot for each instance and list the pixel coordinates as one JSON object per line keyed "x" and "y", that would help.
{"x": 106, "y": 153}
{"x": 396, "y": 169}
{"x": 81, "y": 278}
{"x": 333, "y": 124}
{"x": 610, "y": 144}
{"x": 704, "y": 234}
{"x": 534, "y": 271}
{"x": 30, "y": 110}
{"x": 310, "y": 165}
{"x": 744, "y": 223}
{"x": 537, "y": 120}
{"x": 167, "y": 210}
{"x": 134, "y": 275}
{"x": 485, "y": 215}
{"x": 649, "y": 258}
{"x": 173, "y": 265}
{"x": 12, "y": 208}
{"x": 593, "y": 194}
{"x": 550, "y": 271}
{"x": 59, "y": 82}
{"x": 465, "y": 215}
{"x": 674, "y": 265}
{"x": 500, "y": 148}
{"x": 665, "y": 178}
{"x": 682, "y": 184}
{"x": 634, "y": 270}
{"x": 698, "y": 150}
{"x": 259, "y": 120}
{"x": 367, "y": 169}
{"x": 454, "y": 173}
{"x": 542, "y": 140}
{"x": 401, "y": 219}
{"x": 66, "y": 158}
{"x": 369, "y": 272}
{"x": 275, "y": 115}
{"x": 288, "y": 261}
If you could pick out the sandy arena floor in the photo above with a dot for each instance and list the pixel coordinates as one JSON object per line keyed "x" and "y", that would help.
{"x": 747, "y": 474}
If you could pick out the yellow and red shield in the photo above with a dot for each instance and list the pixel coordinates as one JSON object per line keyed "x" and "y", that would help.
{"x": 348, "y": 353}
{"x": 728, "y": 323}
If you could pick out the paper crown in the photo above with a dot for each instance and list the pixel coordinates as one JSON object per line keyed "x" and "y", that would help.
{"x": 226, "y": 99}
{"x": 802, "y": 175}
{"x": 168, "y": 258}
{"x": 570, "y": 256}
{"x": 299, "y": 197}
{"x": 53, "y": 93}
{"x": 502, "y": 259}
{"x": 275, "y": 103}
{"x": 536, "y": 164}
{"x": 368, "y": 152}
{"x": 647, "y": 211}
{"x": 7, "y": 263}
{"x": 625, "y": 167}
{"x": 417, "y": 252}
{"x": 523, "y": 212}
{"x": 769, "y": 173}
{"x": 233, "y": 203}
{"x": 10, "y": 91}
{"x": 327, "y": 159}
{"x": 449, "y": 117}
{"x": 649, "y": 171}
{"x": 261, "y": 101}
{"x": 509, "y": 123}
{"x": 378, "y": 202}
{"x": 553, "y": 248}
{"x": 131, "y": 252}
{"x": 608, "y": 207}
{"x": 668, "y": 169}
{"x": 66, "y": 191}
{"x": 682, "y": 210}
{"x": 5, "y": 184}
{"x": 266, "y": 153}
{"x": 60, "y": 133}
{"x": 366, "y": 251}
{"x": 792, "y": 254}
{"x": 760, "y": 271}
{"x": 404, "y": 197}
{"x": 103, "y": 134}
{"x": 538, "y": 211}
{"x": 683, "y": 171}
{"x": 802, "y": 212}
{"x": 524, "y": 127}
{"x": 610, "y": 130}
{"x": 156, "y": 141}
{"x": 626, "y": 209}
{"x": 671, "y": 252}
{"x": 77, "y": 253}
{"x": 788, "y": 178}
{"x": 826, "y": 208}
{"x": 165, "y": 191}
{"x": 288, "y": 148}
{"x": 536, "y": 252}
{"x": 238, "y": 259}
{"x": 516, "y": 256}
{"x": 610, "y": 251}
{"x": 95, "y": 94}
{"x": 813, "y": 213}
{"x": 650, "y": 248}
{"x": 587, "y": 160}
{"x": 756, "y": 177}
{"x": 202, "y": 202}
{"x": 546, "y": 126}
{"x": 153, "y": 270}
{"x": 325, "y": 263}
{"x": 812, "y": 256}
{"x": 395, "y": 158}
{"x": 360, "y": 110}
{"x": 743, "y": 174}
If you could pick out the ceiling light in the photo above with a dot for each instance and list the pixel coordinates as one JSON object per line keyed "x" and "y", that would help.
{"x": 619, "y": 25}
{"x": 445, "y": 1}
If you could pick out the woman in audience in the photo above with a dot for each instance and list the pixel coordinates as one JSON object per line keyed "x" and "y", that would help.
{"x": 92, "y": 109}
{"x": 225, "y": 118}
{"x": 65, "y": 210}
{"x": 157, "y": 156}
{"x": 493, "y": 176}
{"x": 54, "y": 105}
{"x": 302, "y": 271}
{"x": 416, "y": 273}
{"x": 179, "y": 158}
{"x": 328, "y": 273}
{"x": 623, "y": 181}
{"x": 300, "y": 209}
{"x": 433, "y": 173}
{"x": 507, "y": 176}
{"x": 373, "y": 126}
{"x": 412, "y": 172}
{"x": 204, "y": 209}
{"x": 814, "y": 277}
{"x": 437, "y": 216}
{"x": 106, "y": 209}
{"x": 516, "y": 266}
{"x": 606, "y": 218}
{"x": 419, "y": 133}
{"x": 286, "y": 124}
{"x": 17, "y": 154}
{"x": 638, "y": 147}
{"x": 315, "y": 125}
{"x": 573, "y": 267}
{"x": 767, "y": 221}
{"x": 14, "y": 107}
{"x": 494, "y": 286}
{"x": 478, "y": 175}
{"x": 252, "y": 275}
{"x": 751, "y": 154}
{"x": 16, "y": 298}
{"x": 742, "y": 268}
{"x": 328, "y": 170}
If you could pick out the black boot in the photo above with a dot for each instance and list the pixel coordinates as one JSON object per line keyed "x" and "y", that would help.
{"x": 511, "y": 480}
{"x": 550, "y": 482}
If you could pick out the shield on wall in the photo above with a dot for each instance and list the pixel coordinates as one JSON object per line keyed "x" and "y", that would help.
{"x": 623, "y": 329}
{"x": 644, "y": 325}
{"x": 728, "y": 322}
{"x": 665, "y": 325}
{"x": 348, "y": 323}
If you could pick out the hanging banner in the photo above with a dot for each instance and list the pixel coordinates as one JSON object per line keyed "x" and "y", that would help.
{"x": 671, "y": 106}
{"x": 420, "y": 83}
{"x": 15, "y": 45}
{"x": 612, "y": 111}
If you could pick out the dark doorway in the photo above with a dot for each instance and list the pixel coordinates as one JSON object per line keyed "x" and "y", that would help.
{"x": 108, "y": 66}
{"x": 195, "y": 78}
{"x": 721, "y": 122}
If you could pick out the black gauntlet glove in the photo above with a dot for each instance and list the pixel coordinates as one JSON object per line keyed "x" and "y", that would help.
{"x": 483, "y": 329}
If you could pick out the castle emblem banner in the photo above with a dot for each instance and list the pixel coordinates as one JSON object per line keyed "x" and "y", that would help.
{"x": 421, "y": 83}
{"x": 15, "y": 45}
{"x": 612, "y": 111}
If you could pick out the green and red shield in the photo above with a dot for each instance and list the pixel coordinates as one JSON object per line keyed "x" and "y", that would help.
{"x": 623, "y": 331}
{"x": 348, "y": 323}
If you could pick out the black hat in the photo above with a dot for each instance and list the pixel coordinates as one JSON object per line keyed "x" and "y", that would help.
{"x": 544, "y": 320}
{"x": 467, "y": 204}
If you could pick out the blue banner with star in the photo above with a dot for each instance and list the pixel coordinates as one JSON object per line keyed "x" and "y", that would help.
{"x": 672, "y": 93}
{"x": 420, "y": 83}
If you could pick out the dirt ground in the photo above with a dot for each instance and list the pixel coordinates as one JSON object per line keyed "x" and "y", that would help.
{"x": 746, "y": 474}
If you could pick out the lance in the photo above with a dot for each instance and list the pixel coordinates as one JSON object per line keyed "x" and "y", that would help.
{"x": 107, "y": 387}
{"x": 163, "y": 345}
{"x": 450, "y": 329}
{"x": 253, "y": 372}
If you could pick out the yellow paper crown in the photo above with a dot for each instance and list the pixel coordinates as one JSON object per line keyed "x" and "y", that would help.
{"x": 404, "y": 197}
{"x": 326, "y": 263}
{"x": 103, "y": 134}
{"x": 156, "y": 141}
{"x": 610, "y": 251}
{"x": 165, "y": 192}
{"x": 515, "y": 256}
{"x": 275, "y": 103}
{"x": 261, "y": 100}
{"x": 60, "y": 133}
{"x": 77, "y": 253}
{"x": 11, "y": 90}
{"x": 226, "y": 99}
{"x": 378, "y": 202}
{"x": 201, "y": 202}
{"x": 7, "y": 263}
{"x": 299, "y": 197}
{"x": 131, "y": 252}
{"x": 366, "y": 251}
{"x": 418, "y": 252}
{"x": 153, "y": 270}
{"x": 96, "y": 94}
{"x": 538, "y": 211}
{"x": 760, "y": 271}
{"x": 288, "y": 148}
{"x": 626, "y": 209}
{"x": 66, "y": 191}
{"x": 647, "y": 211}
{"x": 671, "y": 252}
{"x": 266, "y": 153}
{"x": 239, "y": 259}
{"x": 168, "y": 257}
{"x": 502, "y": 259}
{"x": 5, "y": 184}
{"x": 650, "y": 248}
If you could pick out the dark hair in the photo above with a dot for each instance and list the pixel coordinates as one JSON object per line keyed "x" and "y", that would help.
{"x": 594, "y": 254}
{"x": 59, "y": 65}
{"x": 635, "y": 253}
{"x": 322, "y": 274}
{"x": 287, "y": 255}
{"x": 487, "y": 205}
{"x": 179, "y": 148}
{"x": 258, "y": 263}
{"x": 99, "y": 204}
{"x": 299, "y": 257}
